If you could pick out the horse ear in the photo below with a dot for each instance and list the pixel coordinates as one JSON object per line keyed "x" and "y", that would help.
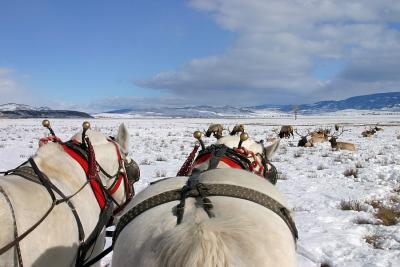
{"x": 122, "y": 137}
{"x": 271, "y": 149}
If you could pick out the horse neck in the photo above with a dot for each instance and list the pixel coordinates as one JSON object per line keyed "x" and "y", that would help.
{"x": 59, "y": 166}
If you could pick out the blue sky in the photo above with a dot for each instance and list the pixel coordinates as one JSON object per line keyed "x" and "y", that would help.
{"x": 117, "y": 54}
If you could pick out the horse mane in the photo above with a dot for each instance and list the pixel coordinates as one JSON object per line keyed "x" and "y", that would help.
{"x": 96, "y": 137}
{"x": 215, "y": 242}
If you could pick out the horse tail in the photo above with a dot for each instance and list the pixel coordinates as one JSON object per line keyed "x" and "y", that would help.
{"x": 213, "y": 242}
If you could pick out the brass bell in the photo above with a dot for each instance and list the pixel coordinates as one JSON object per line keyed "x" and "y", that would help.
{"x": 244, "y": 137}
{"x": 197, "y": 135}
{"x": 46, "y": 123}
{"x": 86, "y": 125}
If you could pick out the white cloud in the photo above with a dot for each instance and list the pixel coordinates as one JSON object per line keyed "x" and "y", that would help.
{"x": 278, "y": 47}
{"x": 10, "y": 88}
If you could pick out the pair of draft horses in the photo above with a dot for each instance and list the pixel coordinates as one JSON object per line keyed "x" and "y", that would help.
{"x": 222, "y": 209}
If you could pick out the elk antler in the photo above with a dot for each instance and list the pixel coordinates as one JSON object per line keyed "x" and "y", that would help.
{"x": 336, "y": 134}
{"x": 301, "y": 135}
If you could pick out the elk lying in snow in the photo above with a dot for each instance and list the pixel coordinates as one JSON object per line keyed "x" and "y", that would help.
{"x": 341, "y": 145}
{"x": 304, "y": 142}
{"x": 338, "y": 126}
{"x": 368, "y": 133}
{"x": 320, "y": 135}
{"x": 378, "y": 128}
{"x": 285, "y": 132}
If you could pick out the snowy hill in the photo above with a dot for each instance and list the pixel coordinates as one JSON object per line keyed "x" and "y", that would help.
{"x": 14, "y": 107}
{"x": 382, "y": 101}
{"x": 21, "y": 111}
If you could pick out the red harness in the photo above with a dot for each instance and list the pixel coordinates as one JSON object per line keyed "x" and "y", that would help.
{"x": 96, "y": 187}
{"x": 226, "y": 160}
{"x": 121, "y": 177}
{"x": 94, "y": 183}
{"x": 233, "y": 164}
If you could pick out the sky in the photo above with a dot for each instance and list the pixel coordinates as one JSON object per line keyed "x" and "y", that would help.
{"x": 104, "y": 55}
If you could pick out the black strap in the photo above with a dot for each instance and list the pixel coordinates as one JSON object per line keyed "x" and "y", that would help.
{"x": 98, "y": 257}
{"x": 25, "y": 172}
{"x": 9, "y": 171}
{"x": 226, "y": 190}
{"x": 104, "y": 217}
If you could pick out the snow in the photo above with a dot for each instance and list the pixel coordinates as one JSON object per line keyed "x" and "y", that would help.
{"x": 313, "y": 179}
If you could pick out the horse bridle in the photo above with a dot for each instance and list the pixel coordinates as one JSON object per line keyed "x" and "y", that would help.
{"x": 128, "y": 172}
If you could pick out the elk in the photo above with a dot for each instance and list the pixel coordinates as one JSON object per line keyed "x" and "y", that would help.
{"x": 338, "y": 126}
{"x": 285, "y": 132}
{"x": 303, "y": 142}
{"x": 239, "y": 128}
{"x": 378, "y": 128}
{"x": 216, "y": 130}
{"x": 368, "y": 133}
{"x": 320, "y": 135}
{"x": 340, "y": 145}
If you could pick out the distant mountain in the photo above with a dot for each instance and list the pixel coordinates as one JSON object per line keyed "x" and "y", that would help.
{"x": 14, "y": 107}
{"x": 382, "y": 101}
{"x": 183, "y": 112}
{"x": 21, "y": 111}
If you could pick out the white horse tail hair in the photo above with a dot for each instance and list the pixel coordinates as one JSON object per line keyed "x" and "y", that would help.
{"x": 213, "y": 242}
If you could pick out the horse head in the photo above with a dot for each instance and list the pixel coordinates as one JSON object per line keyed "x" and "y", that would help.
{"x": 240, "y": 152}
{"x": 117, "y": 170}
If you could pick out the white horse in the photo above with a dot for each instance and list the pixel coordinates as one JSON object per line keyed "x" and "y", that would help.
{"x": 234, "y": 231}
{"x": 55, "y": 241}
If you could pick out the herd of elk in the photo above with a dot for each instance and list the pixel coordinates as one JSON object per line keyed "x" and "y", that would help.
{"x": 323, "y": 135}
{"x": 306, "y": 140}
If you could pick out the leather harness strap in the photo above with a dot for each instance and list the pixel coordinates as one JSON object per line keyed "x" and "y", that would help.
{"x": 226, "y": 190}
{"x": 28, "y": 173}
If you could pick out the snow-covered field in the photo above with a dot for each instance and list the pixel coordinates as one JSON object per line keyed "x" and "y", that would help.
{"x": 316, "y": 182}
